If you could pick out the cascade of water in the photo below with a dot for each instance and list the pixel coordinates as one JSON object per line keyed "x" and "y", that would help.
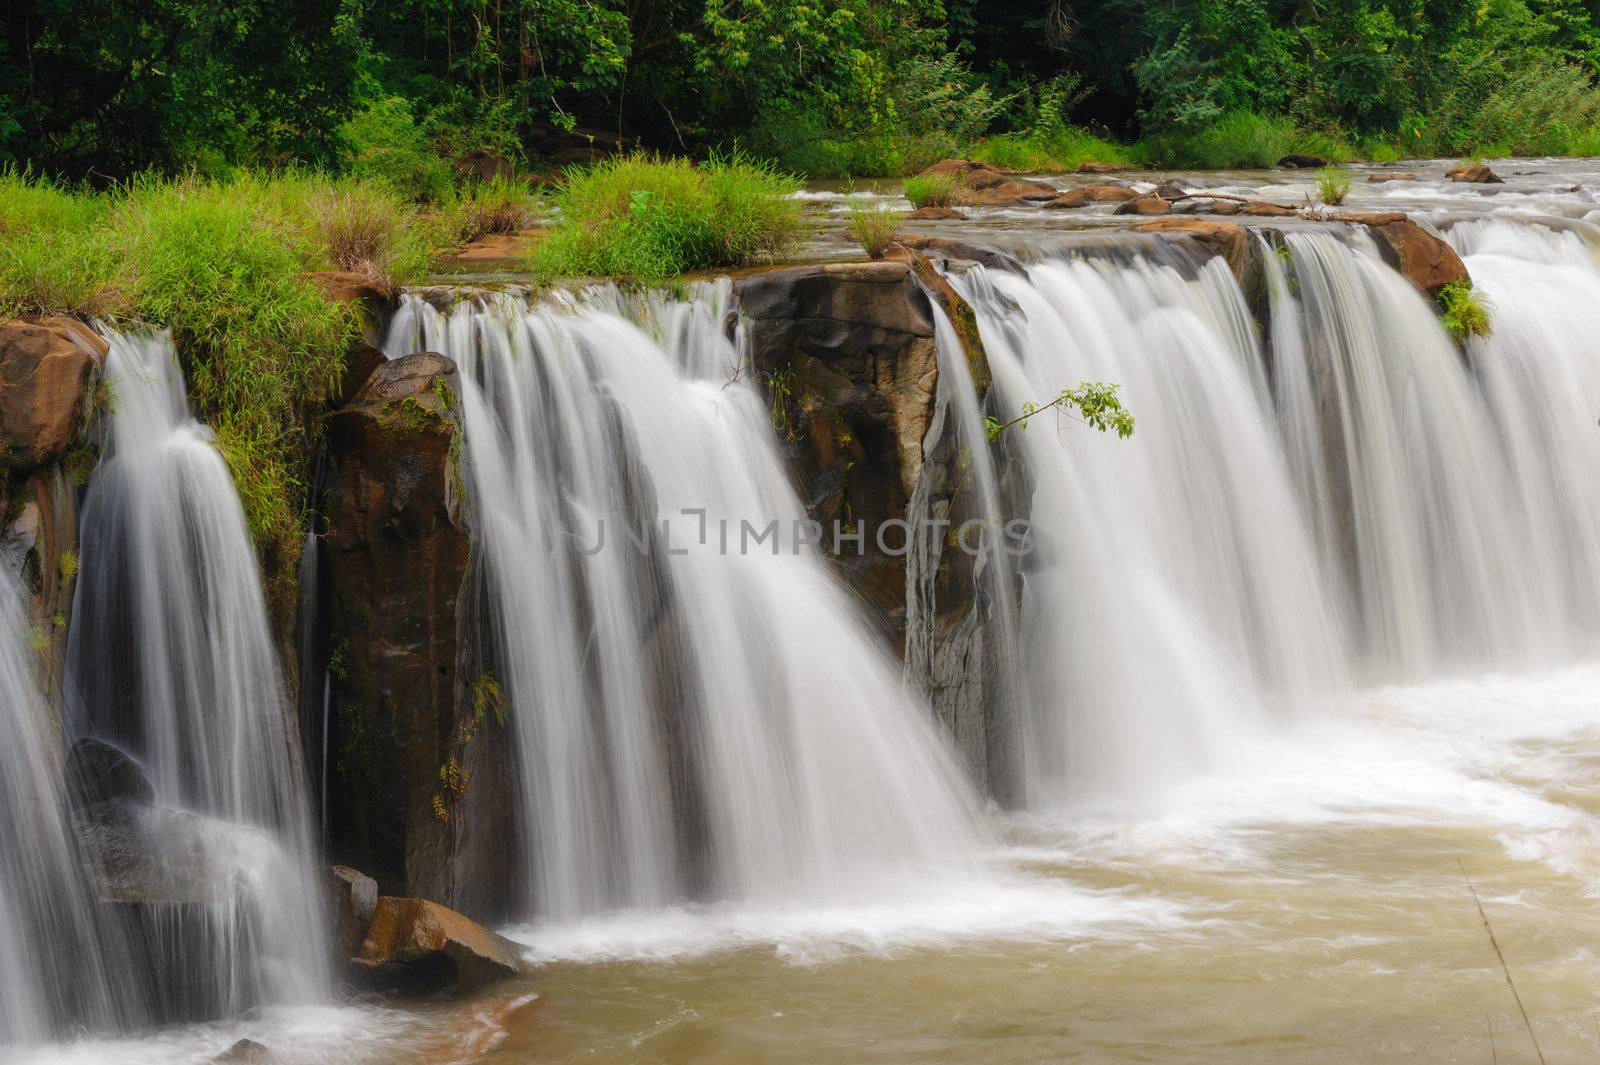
{"x": 1447, "y": 527}
{"x": 51, "y": 970}
{"x": 170, "y": 657}
{"x": 699, "y": 712}
{"x": 1173, "y": 592}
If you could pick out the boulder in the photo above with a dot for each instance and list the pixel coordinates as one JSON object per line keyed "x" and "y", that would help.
{"x": 1263, "y": 209}
{"x": 1397, "y": 175}
{"x": 1428, "y": 262}
{"x": 352, "y": 899}
{"x": 99, "y": 772}
{"x": 1008, "y": 194}
{"x": 943, "y": 247}
{"x": 484, "y": 164}
{"x": 1229, "y": 241}
{"x": 1475, "y": 175}
{"x": 1302, "y": 162}
{"x": 936, "y": 214}
{"x": 1100, "y": 168}
{"x": 244, "y": 1052}
{"x": 400, "y": 636}
{"x": 415, "y": 936}
{"x": 853, "y": 345}
{"x": 1373, "y": 218}
{"x": 46, "y": 369}
{"x": 1085, "y": 195}
{"x": 969, "y": 172}
{"x": 1144, "y": 205}
{"x": 1169, "y": 191}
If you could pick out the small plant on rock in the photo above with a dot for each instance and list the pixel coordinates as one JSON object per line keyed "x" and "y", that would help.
{"x": 874, "y": 227}
{"x": 1094, "y": 403}
{"x": 1462, "y": 311}
{"x": 1333, "y": 185}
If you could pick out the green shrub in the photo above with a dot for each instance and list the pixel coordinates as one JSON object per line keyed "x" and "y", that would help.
{"x": 874, "y": 227}
{"x": 932, "y": 190}
{"x": 1064, "y": 150}
{"x": 503, "y": 204}
{"x": 1463, "y": 312}
{"x": 1333, "y": 185}
{"x": 384, "y": 142}
{"x": 1234, "y": 139}
{"x": 644, "y": 217}
{"x": 52, "y": 257}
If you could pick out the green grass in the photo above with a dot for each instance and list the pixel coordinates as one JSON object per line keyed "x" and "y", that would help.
{"x": 1241, "y": 139}
{"x": 498, "y": 206}
{"x": 1062, "y": 150}
{"x": 932, "y": 190}
{"x": 1462, "y": 311}
{"x": 874, "y": 227}
{"x": 1333, "y": 185}
{"x": 649, "y": 218}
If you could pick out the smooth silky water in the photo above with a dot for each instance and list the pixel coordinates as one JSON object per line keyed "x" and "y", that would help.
{"x": 1266, "y": 747}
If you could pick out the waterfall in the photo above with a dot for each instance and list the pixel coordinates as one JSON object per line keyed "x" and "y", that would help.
{"x": 700, "y": 712}
{"x": 170, "y": 658}
{"x": 1452, "y": 491}
{"x": 51, "y": 969}
{"x": 1173, "y": 596}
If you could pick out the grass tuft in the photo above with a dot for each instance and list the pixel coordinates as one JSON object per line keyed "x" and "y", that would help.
{"x": 1059, "y": 150}
{"x": 874, "y": 227}
{"x": 650, "y": 218}
{"x": 932, "y": 190}
{"x": 1333, "y": 185}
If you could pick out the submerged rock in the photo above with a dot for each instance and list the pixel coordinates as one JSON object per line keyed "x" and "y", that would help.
{"x": 1145, "y": 205}
{"x": 45, "y": 371}
{"x": 936, "y": 214}
{"x": 1474, "y": 175}
{"x": 982, "y": 185}
{"x": 430, "y": 947}
{"x": 1428, "y": 262}
{"x": 1227, "y": 239}
{"x": 245, "y": 1052}
{"x": 1085, "y": 195}
{"x": 1398, "y": 175}
{"x": 99, "y": 772}
{"x": 1302, "y": 162}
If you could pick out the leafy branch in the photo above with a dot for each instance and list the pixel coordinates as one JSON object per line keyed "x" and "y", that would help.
{"x": 1092, "y": 402}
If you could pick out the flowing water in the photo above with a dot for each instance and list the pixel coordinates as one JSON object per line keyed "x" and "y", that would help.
{"x": 1306, "y": 673}
{"x": 700, "y": 710}
{"x": 171, "y": 659}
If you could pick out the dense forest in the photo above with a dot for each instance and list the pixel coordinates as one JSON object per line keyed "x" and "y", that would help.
{"x": 406, "y": 90}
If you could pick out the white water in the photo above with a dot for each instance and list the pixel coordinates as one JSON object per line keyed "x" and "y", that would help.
{"x": 51, "y": 969}
{"x": 1173, "y": 600}
{"x": 702, "y": 716}
{"x": 170, "y": 657}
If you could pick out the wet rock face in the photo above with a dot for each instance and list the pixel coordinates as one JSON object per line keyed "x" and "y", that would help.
{"x": 422, "y": 946}
{"x": 848, "y": 355}
{"x": 983, "y": 185}
{"x": 45, "y": 372}
{"x": 1474, "y": 175}
{"x": 1086, "y": 195}
{"x": 420, "y": 783}
{"x": 352, "y": 900}
{"x": 1428, "y": 262}
{"x": 100, "y": 772}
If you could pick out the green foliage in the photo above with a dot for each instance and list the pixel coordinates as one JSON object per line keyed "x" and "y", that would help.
{"x": 383, "y": 142}
{"x": 650, "y": 218}
{"x": 874, "y": 227}
{"x": 1462, "y": 311}
{"x": 1094, "y": 403}
{"x": 932, "y": 190}
{"x": 67, "y": 565}
{"x": 52, "y": 255}
{"x": 500, "y": 205}
{"x": 1333, "y": 185}
{"x": 1063, "y": 150}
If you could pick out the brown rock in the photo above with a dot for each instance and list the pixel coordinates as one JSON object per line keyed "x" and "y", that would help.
{"x": 482, "y": 164}
{"x": 353, "y": 898}
{"x": 416, "y": 932}
{"x": 1373, "y": 218}
{"x": 45, "y": 371}
{"x": 360, "y": 364}
{"x": 1398, "y": 175}
{"x": 1303, "y": 162}
{"x": 969, "y": 172}
{"x": 1168, "y": 191}
{"x": 1008, "y": 194}
{"x": 1100, "y": 168}
{"x": 1228, "y": 239}
{"x": 496, "y": 248}
{"x": 345, "y": 286}
{"x": 1427, "y": 261}
{"x": 1476, "y": 175}
{"x": 936, "y": 214}
{"x": 1087, "y": 194}
{"x": 1144, "y": 205}
{"x": 399, "y": 618}
{"x": 855, "y": 343}
{"x": 993, "y": 258}
{"x": 1262, "y": 209}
